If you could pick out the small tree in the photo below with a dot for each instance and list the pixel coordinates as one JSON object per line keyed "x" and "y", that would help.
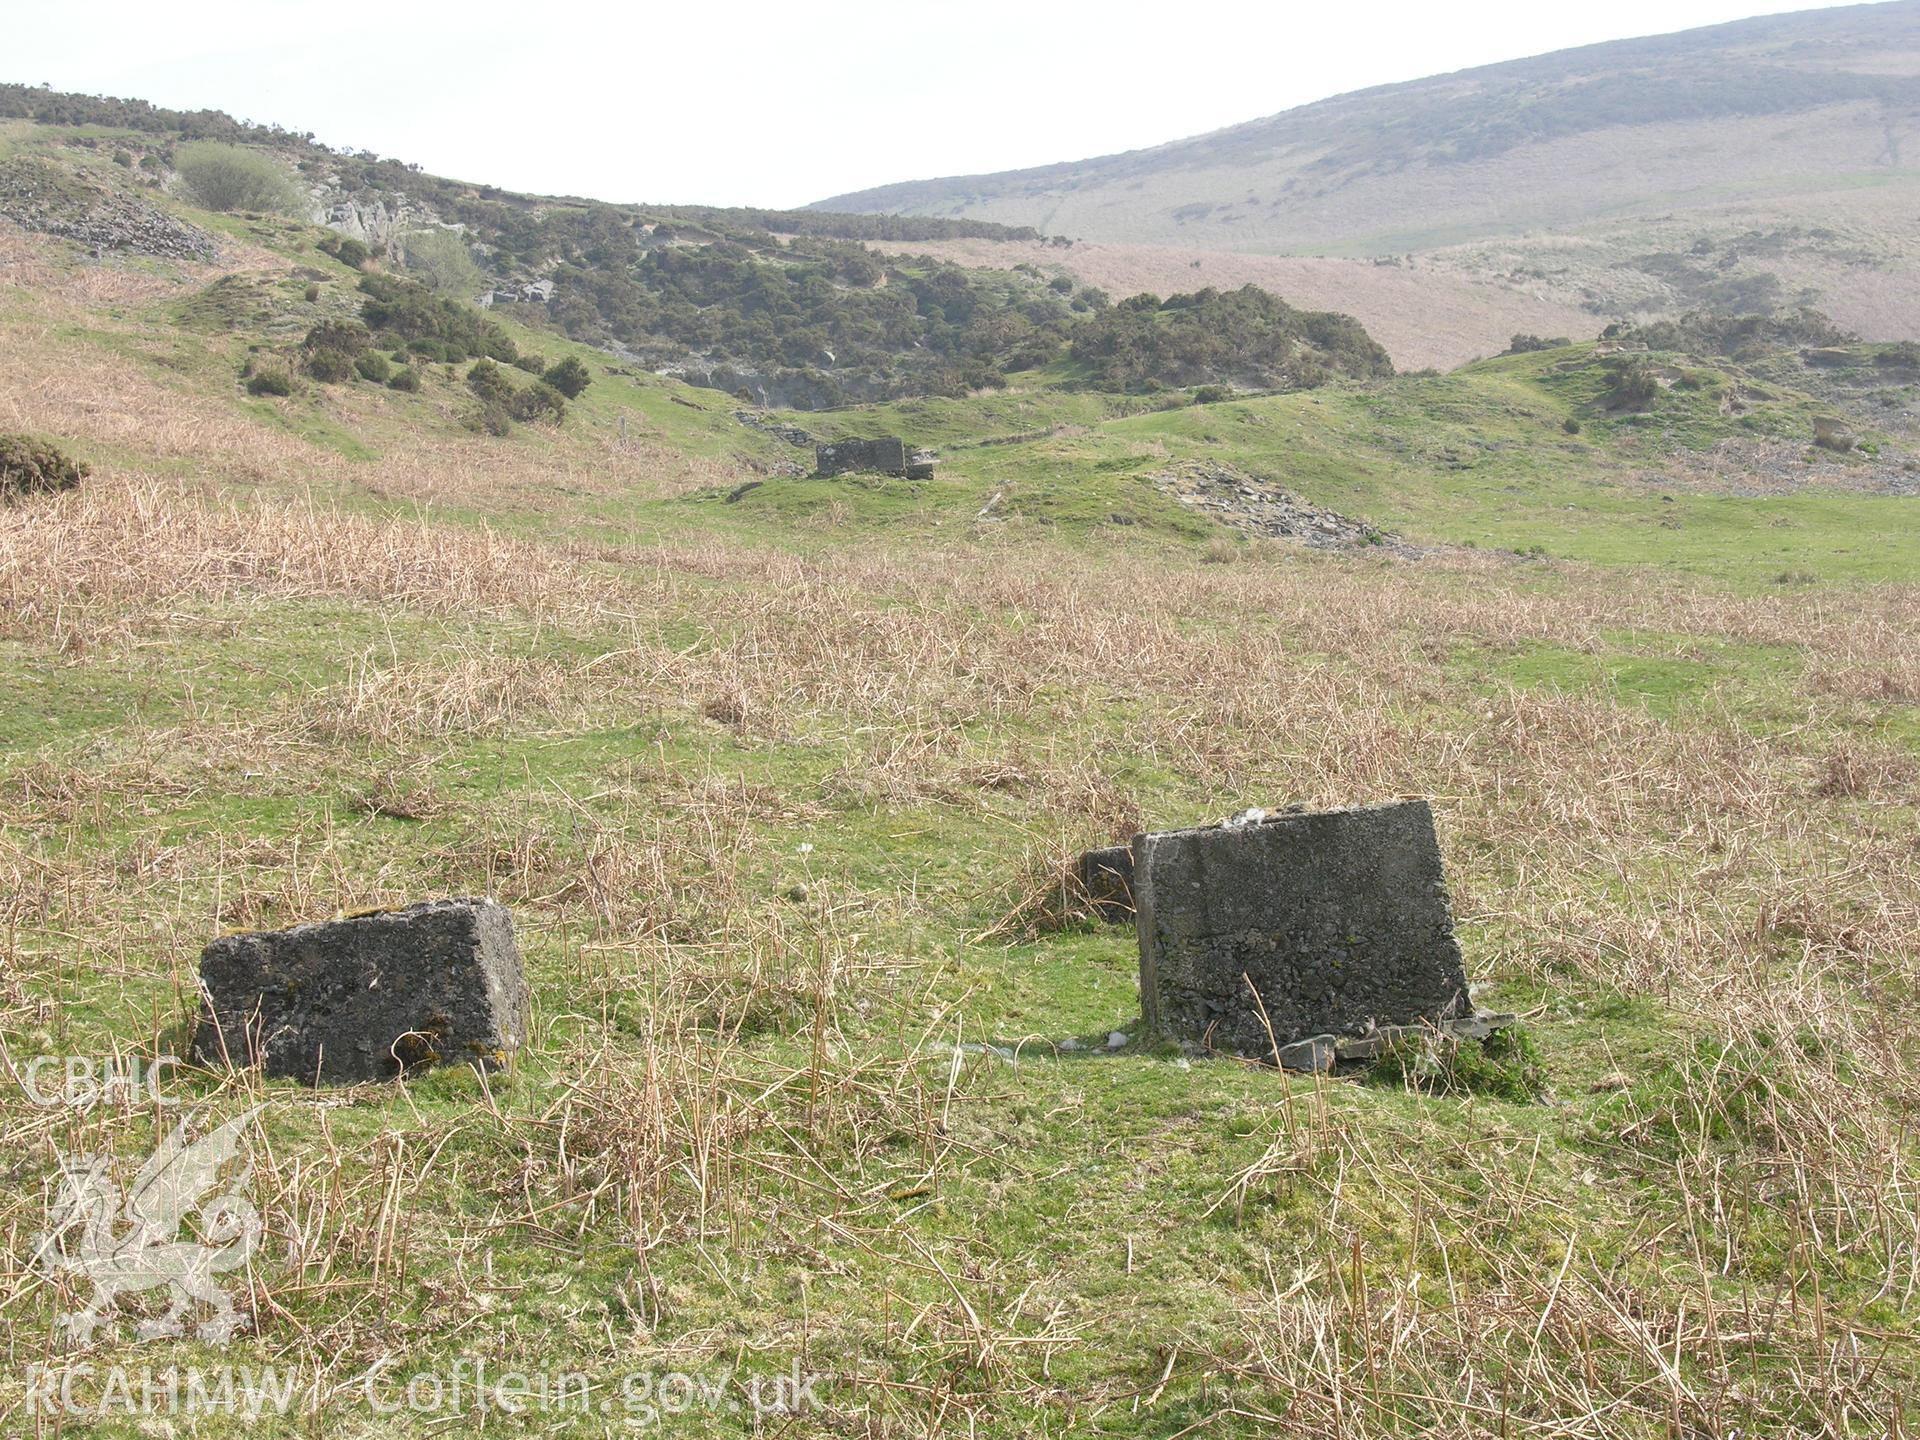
{"x": 230, "y": 177}
{"x": 440, "y": 260}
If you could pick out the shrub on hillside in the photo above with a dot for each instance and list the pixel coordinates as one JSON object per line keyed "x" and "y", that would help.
{"x": 1246, "y": 337}
{"x": 405, "y": 378}
{"x": 501, "y": 400}
{"x": 33, "y": 467}
{"x": 569, "y": 377}
{"x": 489, "y": 383}
{"x": 440, "y": 260}
{"x": 490, "y": 419}
{"x": 231, "y": 177}
{"x": 1631, "y": 384}
{"x": 1738, "y": 337}
{"x": 537, "y": 403}
{"x": 344, "y": 248}
{"x": 405, "y": 311}
{"x": 271, "y": 381}
{"x": 374, "y": 366}
{"x": 333, "y": 349}
{"x": 1528, "y": 344}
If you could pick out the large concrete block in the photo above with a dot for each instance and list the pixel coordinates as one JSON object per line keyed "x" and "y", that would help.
{"x": 1339, "y": 920}
{"x": 886, "y": 455}
{"x": 366, "y": 998}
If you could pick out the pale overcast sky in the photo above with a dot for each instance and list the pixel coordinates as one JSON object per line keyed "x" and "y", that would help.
{"x": 751, "y": 103}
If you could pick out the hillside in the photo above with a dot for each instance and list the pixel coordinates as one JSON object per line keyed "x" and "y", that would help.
{"x": 830, "y": 1074}
{"x": 1786, "y": 144}
{"x": 781, "y": 308}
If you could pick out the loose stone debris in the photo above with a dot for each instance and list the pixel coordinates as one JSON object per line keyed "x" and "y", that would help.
{"x": 37, "y": 197}
{"x": 767, "y": 425}
{"x": 1248, "y": 502}
{"x": 367, "y": 998}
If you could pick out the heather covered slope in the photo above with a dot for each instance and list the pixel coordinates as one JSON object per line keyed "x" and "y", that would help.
{"x": 1555, "y": 140}
{"x": 1797, "y": 131}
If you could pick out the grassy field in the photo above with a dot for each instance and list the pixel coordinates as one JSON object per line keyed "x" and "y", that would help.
{"x": 820, "y": 1084}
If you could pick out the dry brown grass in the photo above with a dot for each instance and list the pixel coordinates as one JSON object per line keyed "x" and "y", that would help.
{"x": 751, "y": 1061}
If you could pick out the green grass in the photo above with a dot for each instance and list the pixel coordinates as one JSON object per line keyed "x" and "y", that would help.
{"x": 1477, "y": 458}
{"x": 776, "y": 932}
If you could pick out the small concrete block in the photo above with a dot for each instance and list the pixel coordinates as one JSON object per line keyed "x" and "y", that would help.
{"x": 1315, "y": 1054}
{"x": 1107, "y": 877}
{"x": 367, "y": 998}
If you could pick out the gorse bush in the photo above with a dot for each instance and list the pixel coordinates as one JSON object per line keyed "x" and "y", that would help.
{"x": 536, "y": 403}
{"x": 811, "y": 317}
{"x": 1246, "y": 337}
{"x": 33, "y": 467}
{"x": 569, "y": 377}
{"x": 231, "y": 177}
{"x": 1736, "y": 337}
{"x": 344, "y": 248}
{"x": 271, "y": 381}
{"x": 501, "y": 401}
{"x": 400, "y": 310}
{"x": 1632, "y": 384}
{"x": 333, "y": 349}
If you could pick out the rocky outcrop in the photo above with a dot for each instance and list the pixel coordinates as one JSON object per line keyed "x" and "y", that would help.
{"x": 384, "y": 223}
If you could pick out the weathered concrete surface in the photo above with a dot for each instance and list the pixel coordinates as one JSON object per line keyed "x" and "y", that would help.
{"x": 1340, "y": 920}
{"x": 366, "y": 998}
{"x": 886, "y": 455}
{"x": 1107, "y": 877}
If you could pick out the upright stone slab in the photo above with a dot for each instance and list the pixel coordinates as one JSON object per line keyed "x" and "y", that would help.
{"x": 367, "y": 998}
{"x": 1340, "y": 920}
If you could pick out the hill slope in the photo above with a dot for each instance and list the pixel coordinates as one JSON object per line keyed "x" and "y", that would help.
{"x": 1798, "y": 132}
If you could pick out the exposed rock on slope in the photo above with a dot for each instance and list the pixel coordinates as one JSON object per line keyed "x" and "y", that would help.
{"x": 37, "y": 196}
{"x": 1248, "y": 502}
